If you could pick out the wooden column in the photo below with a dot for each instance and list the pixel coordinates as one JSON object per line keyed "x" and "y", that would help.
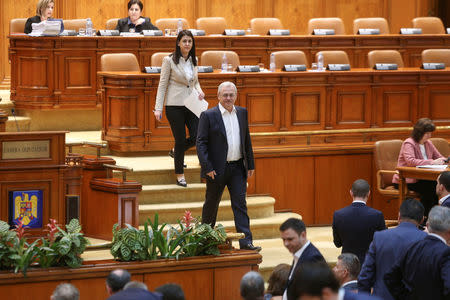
{"x": 3, "y": 119}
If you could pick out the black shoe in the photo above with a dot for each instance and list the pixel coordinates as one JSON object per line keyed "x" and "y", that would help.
{"x": 172, "y": 154}
{"x": 251, "y": 247}
{"x": 182, "y": 182}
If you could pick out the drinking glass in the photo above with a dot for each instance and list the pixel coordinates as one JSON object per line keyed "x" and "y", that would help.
{"x": 82, "y": 31}
{"x": 314, "y": 67}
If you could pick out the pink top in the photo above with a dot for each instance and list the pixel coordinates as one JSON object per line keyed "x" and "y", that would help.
{"x": 411, "y": 156}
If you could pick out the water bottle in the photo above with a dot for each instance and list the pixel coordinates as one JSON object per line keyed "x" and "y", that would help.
{"x": 272, "y": 63}
{"x": 179, "y": 26}
{"x": 320, "y": 62}
{"x": 88, "y": 27}
{"x": 224, "y": 63}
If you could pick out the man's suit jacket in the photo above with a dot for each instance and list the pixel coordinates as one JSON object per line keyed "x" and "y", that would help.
{"x": 212, "y": 145}
{"x": 386, "y": 248}
{"x": 174, "y": 86}
{"x": 348, "y": 295}
{"x": 135, "y": 294}
{"x": 423, "y": 272}
{"x": 352, "y": 287}
{"x": 446, "y": 202}
{"x": 354, "y": 226}
{"x": 122, "y": 25}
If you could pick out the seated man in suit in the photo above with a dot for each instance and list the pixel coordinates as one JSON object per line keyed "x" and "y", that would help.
{"x": 293, "y": 234}
{"x": 354, "y": 225}
{"x": 388, "y": 246}
{"x": 316, "y": 281}
{"x": 347, "y": 270}
{"x": 424, "y": 271}
{"x": 116, "y": 280}
{"x": 252, "y": 286}
{"x": 443, "y": 188}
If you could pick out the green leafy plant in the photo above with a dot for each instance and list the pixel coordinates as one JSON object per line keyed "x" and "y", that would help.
{"x": 8, "y": 247}
{"x": 130, "y": 244}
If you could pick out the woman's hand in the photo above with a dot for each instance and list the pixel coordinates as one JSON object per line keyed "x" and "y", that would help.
{"x": 201, "y": 95}
{"x": 140, "y": 21}
{"x": 439, "y": 161}
{"x": 158, "y": 115}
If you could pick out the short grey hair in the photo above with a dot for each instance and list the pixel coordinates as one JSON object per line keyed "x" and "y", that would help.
{"x": 135, "y": 285}
{"x": 224, "y": 84}
{"x": 439, "y": 219}
{"x": 65, "y": 291}
{"x": 252, "y": 286}
{"x": 351, "y": 262}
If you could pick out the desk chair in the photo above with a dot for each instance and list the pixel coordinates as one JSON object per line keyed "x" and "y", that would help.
{"x": 214, "y": 58}
{"x": 334, "y": 57}
{"x": 157, "y": 58}
{"x": 212, "y": 25}
{"x": 375, "y": 23}
{"x": 442, "y": 146}
{"x": 170, "y": 23}
{"x": 326, "y": 23}
{"x": 291, "y": 57}
{"x": 429, "y": 25}
{"x": 74, "y": 24}
{"x": 262, "y": 25}
{"x": 111, "y": 24}
{"x": 17, "y": 25}
{"x": 385, "y": 57}
{"x": 436, "y": 56}
{"x": 112, "y": 62}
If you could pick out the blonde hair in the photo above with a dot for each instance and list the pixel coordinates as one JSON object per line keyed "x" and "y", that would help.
{"x": 42, "y": 5}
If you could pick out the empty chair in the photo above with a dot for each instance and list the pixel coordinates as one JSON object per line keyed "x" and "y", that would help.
{"x": 119, "y": 62}
{"x": 326, "y": 23}
{"x": 74, "y": 24}
{"x": 212, "y": 25}
{"x": 111, "y": 23}
{"x": 291, "y": 57}
{"x": 385, "y": 57}
{"x": 170, "y": 23}
{"x": 157, "y": 58}
{"x": 436, "y": 56}
{"x": 334, "y": 57}
{"x": 17, "y": 25}
{"x": 262, "y": 25}
{"x": 214, "y": 59}
{"x": 429, "y": 25}
{"x": 371, "y": 23}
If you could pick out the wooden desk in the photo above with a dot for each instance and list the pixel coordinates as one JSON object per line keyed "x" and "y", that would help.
{"x": 60, "y": 72}
{"x": 416, "y": 173}
{"x": 281, "y": 101}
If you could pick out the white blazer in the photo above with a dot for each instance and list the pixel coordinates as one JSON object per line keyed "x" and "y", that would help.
{"x": 174, "y": 85}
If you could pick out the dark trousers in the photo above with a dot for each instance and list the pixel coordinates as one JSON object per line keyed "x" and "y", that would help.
{"x": 235, "y": 178}
{"x": 427, "y": 193}
{"x": 179, "y": 118}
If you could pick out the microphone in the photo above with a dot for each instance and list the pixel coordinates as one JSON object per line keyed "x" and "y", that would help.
{"x": 14, "y": 114}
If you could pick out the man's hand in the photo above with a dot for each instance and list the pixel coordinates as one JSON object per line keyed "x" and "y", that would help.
{"x": 212, "y": 174}
{"x": 250, "y": 173}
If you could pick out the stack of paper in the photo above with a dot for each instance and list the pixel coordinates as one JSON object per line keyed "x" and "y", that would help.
{"x": 46, "y": 28}
{"x": 435, "y": 167}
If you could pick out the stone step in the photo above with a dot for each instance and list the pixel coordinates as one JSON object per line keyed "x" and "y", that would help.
{"x": 162, "y": 177}
{"x": 18, "y": 124}
{"x": 258, "y": 207}
{"x": 172, "y": 193}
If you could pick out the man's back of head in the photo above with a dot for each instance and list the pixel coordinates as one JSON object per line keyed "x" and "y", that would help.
{"x": 116, "y": 280}
{"x": 411, "y": 210}
{"x": 170, "y": 291}
{"x": 444, "y": 179}
{"x": 439, "y": 221}
{"x": 360, "y": 189}
{"x": 135, "y": 285}
{"x": 65, "y": 291}
{"x": 252, "y": 286}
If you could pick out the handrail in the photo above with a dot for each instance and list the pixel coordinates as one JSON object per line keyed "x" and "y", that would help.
{"x": 121, "y": 169}
{"x": 99, "y": 146}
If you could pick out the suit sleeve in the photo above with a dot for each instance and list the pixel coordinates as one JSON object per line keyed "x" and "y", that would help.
{"x": 163, "y": 83}
{"x": 382, "y": 223}
{"x": 119, "y": 25}
{"x": 366, "y": 278}
{"x": 28, "y": 27}
{"x": 147, "y": 25}
{"x": 336, "y": 238}
{"x": 394, "y": 282}
{"x": 202, "y": 143}
{"x": 445, "y": 274}
{"x": 248, "y": 146}
{"x": 408, "y": 152}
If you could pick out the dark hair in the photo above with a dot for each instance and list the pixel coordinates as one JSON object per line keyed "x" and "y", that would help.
{"x": 170, "y": 291}
{"x": 293, "y": 223}
{"x": 444, "y": 179}
{"x": 422, "y": 126}
{"x": 310, "y": 279}
{"x": 360, "y": 188}
{"x": 412, "y": 209}
{"x": 278, "y": 279}
{"x": 351, "y": 263}
{"x": 252, "y": 286}
{"x": 177, "y": 53}
{"x": 117, "y": 279}
{"x": 138, "y": 2}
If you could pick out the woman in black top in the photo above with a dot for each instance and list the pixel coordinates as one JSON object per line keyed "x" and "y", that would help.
{"x": 135, "y": 22}
{"x": 44, "y": 11}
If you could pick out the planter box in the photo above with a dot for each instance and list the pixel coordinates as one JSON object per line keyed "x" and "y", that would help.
{"x": 204, "y": 277}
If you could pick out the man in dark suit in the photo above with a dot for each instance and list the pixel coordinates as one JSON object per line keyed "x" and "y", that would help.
{"x": 225, "y": 153}
{"x": 354, "y": 225}
{"x": 316, "y": 281}
{"x": 388, "y": 246}
{"x": 135, "y": 290}
{"x": 293, "y": 234}
{"x": 346, "y": 271}
{"x": 424, "y": 271}
{"x": 443, "y": 188}
{"x": 116, "y": 280}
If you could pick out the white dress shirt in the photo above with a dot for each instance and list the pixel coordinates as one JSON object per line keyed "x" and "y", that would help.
{"x": 231, "y": 123}
{"x": 188, "y": 67}
{"x": 296, "y": 259}
{"x": 422, "y": 149}
{"x": 443, "y": 199}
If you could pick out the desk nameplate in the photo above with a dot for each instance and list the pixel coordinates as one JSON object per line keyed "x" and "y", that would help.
{"x": 26, "y": 149}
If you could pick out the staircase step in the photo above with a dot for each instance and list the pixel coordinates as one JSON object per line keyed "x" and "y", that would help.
{"x": 172, "y": 193}
{"x": 162, "y": 177}
{"x": 22, "y": 122}
{"x": 258, "y": 207}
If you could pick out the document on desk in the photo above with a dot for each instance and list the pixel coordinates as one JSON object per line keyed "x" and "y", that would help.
{"x": 434, "y": 167}
{"x": 194, "y": 104}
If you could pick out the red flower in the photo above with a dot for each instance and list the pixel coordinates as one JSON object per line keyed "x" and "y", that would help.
{"x": 187, "y": 219}
{"x": 20, "y": 229}
{"x": 52, "y": 230}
